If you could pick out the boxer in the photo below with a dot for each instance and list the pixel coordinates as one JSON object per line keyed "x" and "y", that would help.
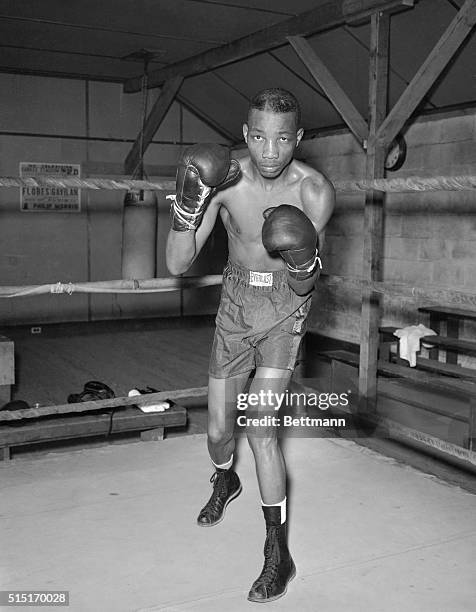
{"x": 274, "y": 209}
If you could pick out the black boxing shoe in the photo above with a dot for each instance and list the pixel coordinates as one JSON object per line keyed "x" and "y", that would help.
{"x": 278, "y": 569}
{"x": 226, "y": 487}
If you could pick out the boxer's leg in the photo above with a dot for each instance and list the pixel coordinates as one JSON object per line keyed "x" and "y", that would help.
{"x": 222, "y": 397}
{"x": 270, "y": 468}
{"x": 278, "y": 568}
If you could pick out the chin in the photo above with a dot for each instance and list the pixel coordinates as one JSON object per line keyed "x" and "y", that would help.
{"x": 270, "y": 173}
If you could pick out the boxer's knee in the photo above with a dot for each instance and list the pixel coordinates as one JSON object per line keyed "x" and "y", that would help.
{"x": 262, "y": 446}
{"x": 219, "y": 436}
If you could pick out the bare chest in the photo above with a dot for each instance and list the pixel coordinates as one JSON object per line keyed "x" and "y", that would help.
{"x": 243, "y": 213}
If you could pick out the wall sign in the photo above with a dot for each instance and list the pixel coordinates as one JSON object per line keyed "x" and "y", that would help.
{"x": 50, "y": 198}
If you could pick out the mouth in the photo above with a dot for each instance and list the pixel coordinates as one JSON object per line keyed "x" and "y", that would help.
{"x": 269, "y": 167}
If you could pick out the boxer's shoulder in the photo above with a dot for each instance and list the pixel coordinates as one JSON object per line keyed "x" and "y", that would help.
{"x": 309, "y": 174}
{"x": 246, "y": 167}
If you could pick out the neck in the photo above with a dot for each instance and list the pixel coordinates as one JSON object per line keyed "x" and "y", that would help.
{"x": 268, "y": 184}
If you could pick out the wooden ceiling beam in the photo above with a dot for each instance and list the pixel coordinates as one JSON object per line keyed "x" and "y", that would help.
{"x": 328, "y": 15}
{"x": 323, "y": 77}
{"x": 441, "y": 54}
{"x": 154, "y": 120}
{"x": 209, "y": 121}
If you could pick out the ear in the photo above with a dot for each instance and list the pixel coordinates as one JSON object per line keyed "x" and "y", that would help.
{"x": 299, "y": 135}
{"x": 245, "y": 132}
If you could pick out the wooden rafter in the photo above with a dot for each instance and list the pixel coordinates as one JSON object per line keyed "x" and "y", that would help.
{"x": 342, "y": 103}
{"x": 155, "y": 118}
{"x": 212, "y": 123}
{"x": 328, "y": 15}
{"x": 430, "y": 70}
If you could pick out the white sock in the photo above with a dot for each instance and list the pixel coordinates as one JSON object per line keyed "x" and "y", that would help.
{"x": 282, "y": 505}
{"x": 224, "y": 466}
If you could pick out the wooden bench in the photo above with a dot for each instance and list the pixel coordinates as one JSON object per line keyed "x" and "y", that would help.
{"x": 452, "y": 317}
{"x": 461, "y": 388}
{"x": 118, "y": 420}
{"x": 456, "y": 344}
{"x": 401, "y": 371}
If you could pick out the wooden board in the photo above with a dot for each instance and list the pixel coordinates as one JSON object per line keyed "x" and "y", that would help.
{"x": 446, "y": 311}
{"x": 64, "y": 427}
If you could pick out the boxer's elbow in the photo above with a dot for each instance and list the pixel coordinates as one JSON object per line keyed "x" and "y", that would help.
{"x": 175, "y": 269}
{"x": 177, "y": 265}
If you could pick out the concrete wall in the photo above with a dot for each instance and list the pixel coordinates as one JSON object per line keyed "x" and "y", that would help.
{"x": 47, "y": 247}
{"x": 430, "y": 238}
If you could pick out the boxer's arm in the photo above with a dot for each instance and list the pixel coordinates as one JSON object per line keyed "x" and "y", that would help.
{"x": 318, "y": 199}
{"x": 303, "y": 287}
{"x": 184, "y": 247}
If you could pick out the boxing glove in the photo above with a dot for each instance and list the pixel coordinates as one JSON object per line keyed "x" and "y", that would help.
{"x": 202, "y": 169}
{"x": 290, "y": 232}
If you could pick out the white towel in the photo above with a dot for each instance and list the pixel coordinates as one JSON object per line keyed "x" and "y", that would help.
{"x": 160, "y": 407}
{"x": 409, "y": 344}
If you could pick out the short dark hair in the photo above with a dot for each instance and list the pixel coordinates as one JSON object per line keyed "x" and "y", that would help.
{"x": 277, "y": 100}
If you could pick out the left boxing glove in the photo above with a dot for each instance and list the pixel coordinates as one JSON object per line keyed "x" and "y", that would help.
{"x": 290, "y": 232}
{"x": 202, "y": 169}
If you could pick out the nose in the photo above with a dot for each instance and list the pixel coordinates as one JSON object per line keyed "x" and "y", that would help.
{"x": 270, "y": 150}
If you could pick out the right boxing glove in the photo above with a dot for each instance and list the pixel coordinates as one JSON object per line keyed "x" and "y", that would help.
{"x": 288, "y": 231}
{"x": 202, "y": 169}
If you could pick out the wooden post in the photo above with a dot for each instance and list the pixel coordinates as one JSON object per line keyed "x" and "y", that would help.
{"x": 7, "y": 369}
{"x": 152, "y": 435}
{"x": 373, "y": 215}
{"x": 472, "y": 424}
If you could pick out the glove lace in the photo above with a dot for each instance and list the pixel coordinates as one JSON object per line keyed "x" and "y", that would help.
{"x": 316, "y": 261}
{"x": 187, "y": 218}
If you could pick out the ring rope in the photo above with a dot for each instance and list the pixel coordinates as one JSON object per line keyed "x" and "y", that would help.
{"x": 150, "y": 285}
{"x": 429, "y": 293}
{"x": 396, "y": 185}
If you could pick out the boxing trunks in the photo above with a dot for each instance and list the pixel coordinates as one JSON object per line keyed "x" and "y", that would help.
{"x": 260, "y": 322}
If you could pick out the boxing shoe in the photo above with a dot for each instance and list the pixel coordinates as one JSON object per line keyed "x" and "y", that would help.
{"x": 278, "y": 569}
{"x": 226, "y": 487}
{"x": 93, "y": 390}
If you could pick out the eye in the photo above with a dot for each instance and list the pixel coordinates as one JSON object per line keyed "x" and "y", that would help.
{"x": 257, "y": 137}
{"x": 284, "y": 138}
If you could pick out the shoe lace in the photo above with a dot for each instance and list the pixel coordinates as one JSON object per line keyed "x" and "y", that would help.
{"x": 271, "y": 557}
{"x": 218, "y": 480}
